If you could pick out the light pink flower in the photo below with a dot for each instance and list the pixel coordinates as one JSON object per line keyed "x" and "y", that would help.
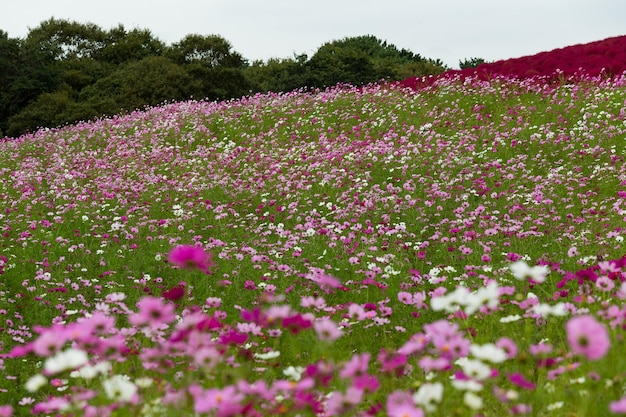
{"x": 618, "y": 407}
{"x": 152, "y": 311}
{"x": 588, "y": 337}
{"x": 400, "y": 404}
{"x": 327, "y": 329}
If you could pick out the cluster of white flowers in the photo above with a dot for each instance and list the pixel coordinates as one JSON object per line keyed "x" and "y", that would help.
{"x": 65, "y": 360}
{"x": 471, "y": 301}
{"x": 522, "y": 271}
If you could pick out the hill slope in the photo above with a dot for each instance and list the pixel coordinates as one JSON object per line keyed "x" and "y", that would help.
{"x": 606, "y": 57}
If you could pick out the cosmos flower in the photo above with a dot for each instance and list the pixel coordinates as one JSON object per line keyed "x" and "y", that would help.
{"x": 191, "y": 257}
{"x": 65, "y": 360}
{"x": 401, "y": 404}
{"x": 587, "y": 337}
{"x": 119, "y": 388}
{"x": 522, "y": 271}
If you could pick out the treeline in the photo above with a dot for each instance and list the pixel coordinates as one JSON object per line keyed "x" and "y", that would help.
{"x": 65, "y": 71}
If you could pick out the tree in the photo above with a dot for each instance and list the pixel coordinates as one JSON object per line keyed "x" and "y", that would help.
{"x": 471, "y": 62}
{"x": 365, "y": 59}
{"x": 9, "y": 70}
{"x": 48, "y": 110}
{"x": 216, "y": 70}
{"x": 279, "y": 74}
{"x": 211, "y": 51}
{"x": 151, "y": 81}
{"x": 121, "y": 46}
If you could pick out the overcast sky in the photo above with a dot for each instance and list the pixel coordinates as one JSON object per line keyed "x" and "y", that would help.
{"x": 449, "y": 30}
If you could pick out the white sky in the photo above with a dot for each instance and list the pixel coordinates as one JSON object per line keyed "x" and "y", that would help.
{"x": 449, "y": 30}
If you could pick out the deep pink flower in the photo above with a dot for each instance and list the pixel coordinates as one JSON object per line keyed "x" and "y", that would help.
{"x": 191, "y": 257}
{"x": 174, "y": 293}
{"x": 588, "y": 337}
{"x": 232, "y": 337}
{"x": 296, "y": 323}
{"x": 519, "y": 380}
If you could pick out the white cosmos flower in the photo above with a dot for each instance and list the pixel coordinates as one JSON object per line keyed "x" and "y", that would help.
{"x": 522, "y": 271}
{"x": 488, "y": 352}
{"x": 510, "y": 319}
{"x": 119, "y": 388}
{"x": 91, "y": 371}
{"x": 466, "y": 385}
{"x": 269, "y": 355}
{"x": 474, "y": 368}
{"x": 428, "y": 394}
{"x": 473, "y": 401}
{"x": 545, "y": 310}
{"x": 65, "y": 360}
{"x": 35, "y": 382}
{"x": 295, "y": 373}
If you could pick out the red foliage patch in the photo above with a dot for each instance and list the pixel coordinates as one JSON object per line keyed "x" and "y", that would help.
{"x": 601, "y": 58}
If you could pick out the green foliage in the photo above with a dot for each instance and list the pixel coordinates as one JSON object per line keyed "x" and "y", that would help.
{"x": 471, "y": 62}
{"x": 121, "y": 46}
{"x": 366, "y": 59}
{"x": 212, "y": 51}
{"x": 9, "y": 58}
{"x": 215, "y": 69}
{"x": 279, "y": 74}
{"x": 79, "y": 71}
{"x": 149, "y": 81}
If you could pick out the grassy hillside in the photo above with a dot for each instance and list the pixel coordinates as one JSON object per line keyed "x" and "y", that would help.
{"x": 454, "y": 250}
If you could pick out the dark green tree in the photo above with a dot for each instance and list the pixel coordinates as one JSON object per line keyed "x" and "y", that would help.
{"x": 150, "y": 81}
{"x": 56, "y": 61}
{"x": 279, "y": 74}
{"x": 48, "y": 110}
{"x": 9, "y": 70}
{"x": 121, "y": 46}
{"x": 365, "y": 59}
{"x": 216, "y": 70}
{"x": 470, "y": 62}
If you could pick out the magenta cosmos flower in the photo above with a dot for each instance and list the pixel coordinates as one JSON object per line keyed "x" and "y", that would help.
{"x": 191, "y": 257}
{"x": 587, "y": 337}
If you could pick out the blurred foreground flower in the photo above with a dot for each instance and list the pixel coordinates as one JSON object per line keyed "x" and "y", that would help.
{"x": 191, "y": 257}
{"x": 588, "y": 337}
{"x": 522, "y": 271}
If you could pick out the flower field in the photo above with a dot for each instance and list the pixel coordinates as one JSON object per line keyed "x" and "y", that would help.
{"x": 455, "y": 250}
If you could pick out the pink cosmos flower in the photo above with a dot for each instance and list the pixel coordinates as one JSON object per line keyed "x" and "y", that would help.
{"x": 400, "y": 404}
{"x": 224, "y": 402}
{"x": 191, "y": 257}
{"x": 618, "y": 407}
{"x": 588, "y": 337}
{"x": 152, "y": 311}
{"x": 327, "y": 329}
{"x": 175, "y": 293}
{"x": 357, "y": 365}
{"x": 519, "y": 380}
{"x": 508, "y": 346}
{"x": 341, "y": 404}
